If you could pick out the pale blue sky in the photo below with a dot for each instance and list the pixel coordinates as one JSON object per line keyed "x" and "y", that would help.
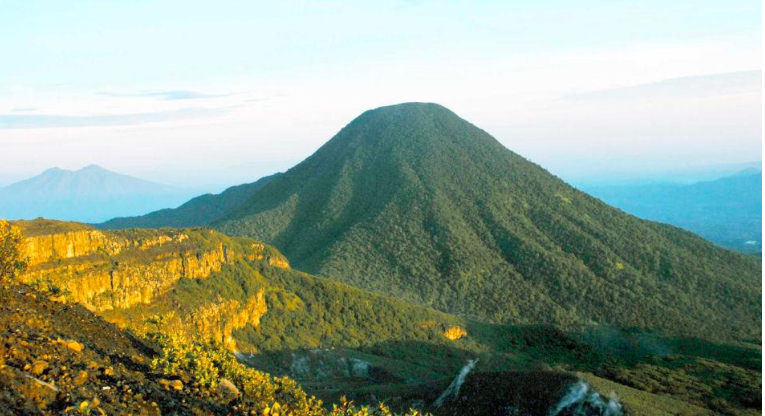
{"x": 223, "y": 92}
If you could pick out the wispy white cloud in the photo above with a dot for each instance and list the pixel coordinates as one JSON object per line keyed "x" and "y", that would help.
{"x": 264, "y": 98}
{"x": 167, "y": 95}
{"x": 33, "y": 121}
{"x": 693, "y": 86}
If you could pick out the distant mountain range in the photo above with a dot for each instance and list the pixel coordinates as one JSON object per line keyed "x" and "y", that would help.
{"x": 680, "y": 175}
{"x": 726, "y": 211}
{"x": 90, "y": 194}
{"x": 415, "y": 202}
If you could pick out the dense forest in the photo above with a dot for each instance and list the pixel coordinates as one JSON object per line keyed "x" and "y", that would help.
{"x": 414, "y": 202}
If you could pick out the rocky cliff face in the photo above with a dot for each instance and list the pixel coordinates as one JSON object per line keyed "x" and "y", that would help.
{"x": 121, "y": 269}
{"x": 59, "y": 243}
{"x": 218, "y": 321}
{"x": 112, "y": 272}
{"x": 44, "y": 248}
{"x": 106, "y": 283}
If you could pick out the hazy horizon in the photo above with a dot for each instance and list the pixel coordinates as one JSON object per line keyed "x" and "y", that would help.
{"x": 208, "y": 97}
{"x": 237, "y": 175}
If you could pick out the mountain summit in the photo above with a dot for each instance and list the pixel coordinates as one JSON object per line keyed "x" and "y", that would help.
{"x": 411, "y": 200}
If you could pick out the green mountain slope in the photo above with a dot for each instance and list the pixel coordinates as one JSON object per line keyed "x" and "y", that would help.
{"x": 414, "y": 202}
{"x": 199, "y": 211}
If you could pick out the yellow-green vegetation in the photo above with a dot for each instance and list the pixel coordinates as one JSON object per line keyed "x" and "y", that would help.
{"x": 12, "y": 260}
{"x": 346, "y": 408}
{"x": 406, "y": 342}
{"x": 207, "y": 364}
{"x": 42, "y": 226}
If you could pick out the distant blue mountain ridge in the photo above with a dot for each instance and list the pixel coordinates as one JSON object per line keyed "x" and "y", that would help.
{"x": 91, "y": 194}
{"x": 726, "y": 211}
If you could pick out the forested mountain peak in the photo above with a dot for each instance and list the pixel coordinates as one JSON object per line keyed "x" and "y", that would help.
{"x": 408, "y": 133}
{"x": 413, "y": 201}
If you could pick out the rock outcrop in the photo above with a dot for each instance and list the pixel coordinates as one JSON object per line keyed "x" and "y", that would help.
{"x": 219, "y": 320}
{"x": 106, "y": 270}
{"x": 259, "y": 252}
{"x": 44, "y": 248}
{"x": 47, "y": 240}
{"x": 108, "y": 282}
{"x": 454, "y": 333}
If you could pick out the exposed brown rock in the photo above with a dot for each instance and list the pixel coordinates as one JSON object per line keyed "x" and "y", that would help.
{"x": 58, "y": 299}
{"x": 227, "y": 389}
{"x": 171, "y": 384}
{"x": 72, "y": 345}
{"x": 280, "y": 262}
{"x": 455, "y": 332}
{"x": 118, "y": 270}
{"x": 43, "y": 248}
{"x": 39, "y": 367}
{"x": 218, "y": 321}
{"x": 82, "y": 378}
{"x": 85, "y": 265}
